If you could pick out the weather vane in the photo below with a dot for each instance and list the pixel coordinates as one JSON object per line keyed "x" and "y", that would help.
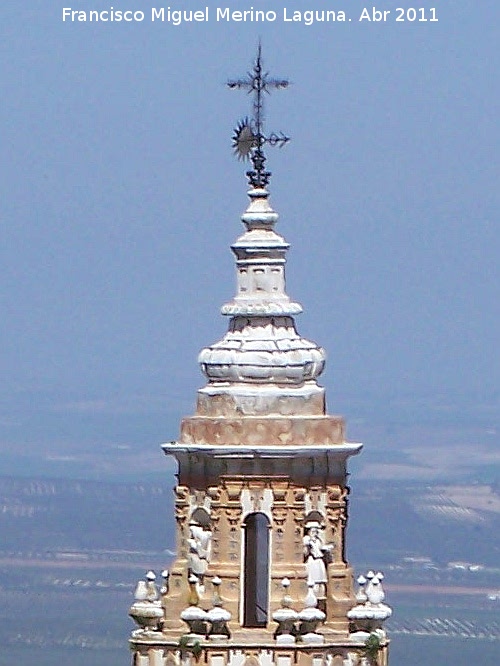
{"x": 249, "y": 137}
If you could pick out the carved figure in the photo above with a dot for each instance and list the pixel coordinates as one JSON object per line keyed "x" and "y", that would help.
{"x": 200, "y": 549}
{"x": 315, "y": 557}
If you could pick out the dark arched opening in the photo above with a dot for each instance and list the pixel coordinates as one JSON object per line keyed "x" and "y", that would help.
{"x": 256, "y": 570}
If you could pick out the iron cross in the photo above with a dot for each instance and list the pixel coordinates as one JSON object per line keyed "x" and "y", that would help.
{"x": 249, "y": 137}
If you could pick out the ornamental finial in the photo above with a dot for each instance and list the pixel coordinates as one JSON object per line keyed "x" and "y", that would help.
{"x": 249, "y": 137}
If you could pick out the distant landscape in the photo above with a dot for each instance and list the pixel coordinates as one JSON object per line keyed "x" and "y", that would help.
{"x": 72, "y": 551}
{"x": 80, "y": 524}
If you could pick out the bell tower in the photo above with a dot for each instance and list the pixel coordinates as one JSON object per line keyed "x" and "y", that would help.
{"x": 261, "y": 576}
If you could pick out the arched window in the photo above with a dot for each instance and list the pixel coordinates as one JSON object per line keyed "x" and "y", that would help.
{"x": 256, "y": 570}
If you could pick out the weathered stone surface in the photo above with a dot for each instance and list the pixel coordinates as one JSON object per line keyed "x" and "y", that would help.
{"x": 262, "y": 431}
{"x": 244, "y": 400}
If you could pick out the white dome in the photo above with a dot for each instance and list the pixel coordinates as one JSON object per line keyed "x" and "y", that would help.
{"x": 261, "y": 350}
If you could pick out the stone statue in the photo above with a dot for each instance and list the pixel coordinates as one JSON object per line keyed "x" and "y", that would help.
{"x": 315, "y": 557}
{"x": 200, "y": 547}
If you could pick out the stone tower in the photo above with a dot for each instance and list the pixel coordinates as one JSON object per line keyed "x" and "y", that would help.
{"x": 261, "y": 576}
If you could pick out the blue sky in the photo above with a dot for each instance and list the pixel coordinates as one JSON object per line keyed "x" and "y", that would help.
{"x": 120, "y": 196}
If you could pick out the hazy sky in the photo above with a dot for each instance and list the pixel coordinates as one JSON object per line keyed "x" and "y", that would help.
{"x": 120, "y": 197}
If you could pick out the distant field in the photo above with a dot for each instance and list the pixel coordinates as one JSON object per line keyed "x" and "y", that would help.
{"x": 25, "y": 655}
{"x": 72, "y": 551}
{"x": 438, "y": 651}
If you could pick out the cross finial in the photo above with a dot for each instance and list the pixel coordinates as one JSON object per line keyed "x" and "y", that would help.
{"x": 249, "y": 137}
